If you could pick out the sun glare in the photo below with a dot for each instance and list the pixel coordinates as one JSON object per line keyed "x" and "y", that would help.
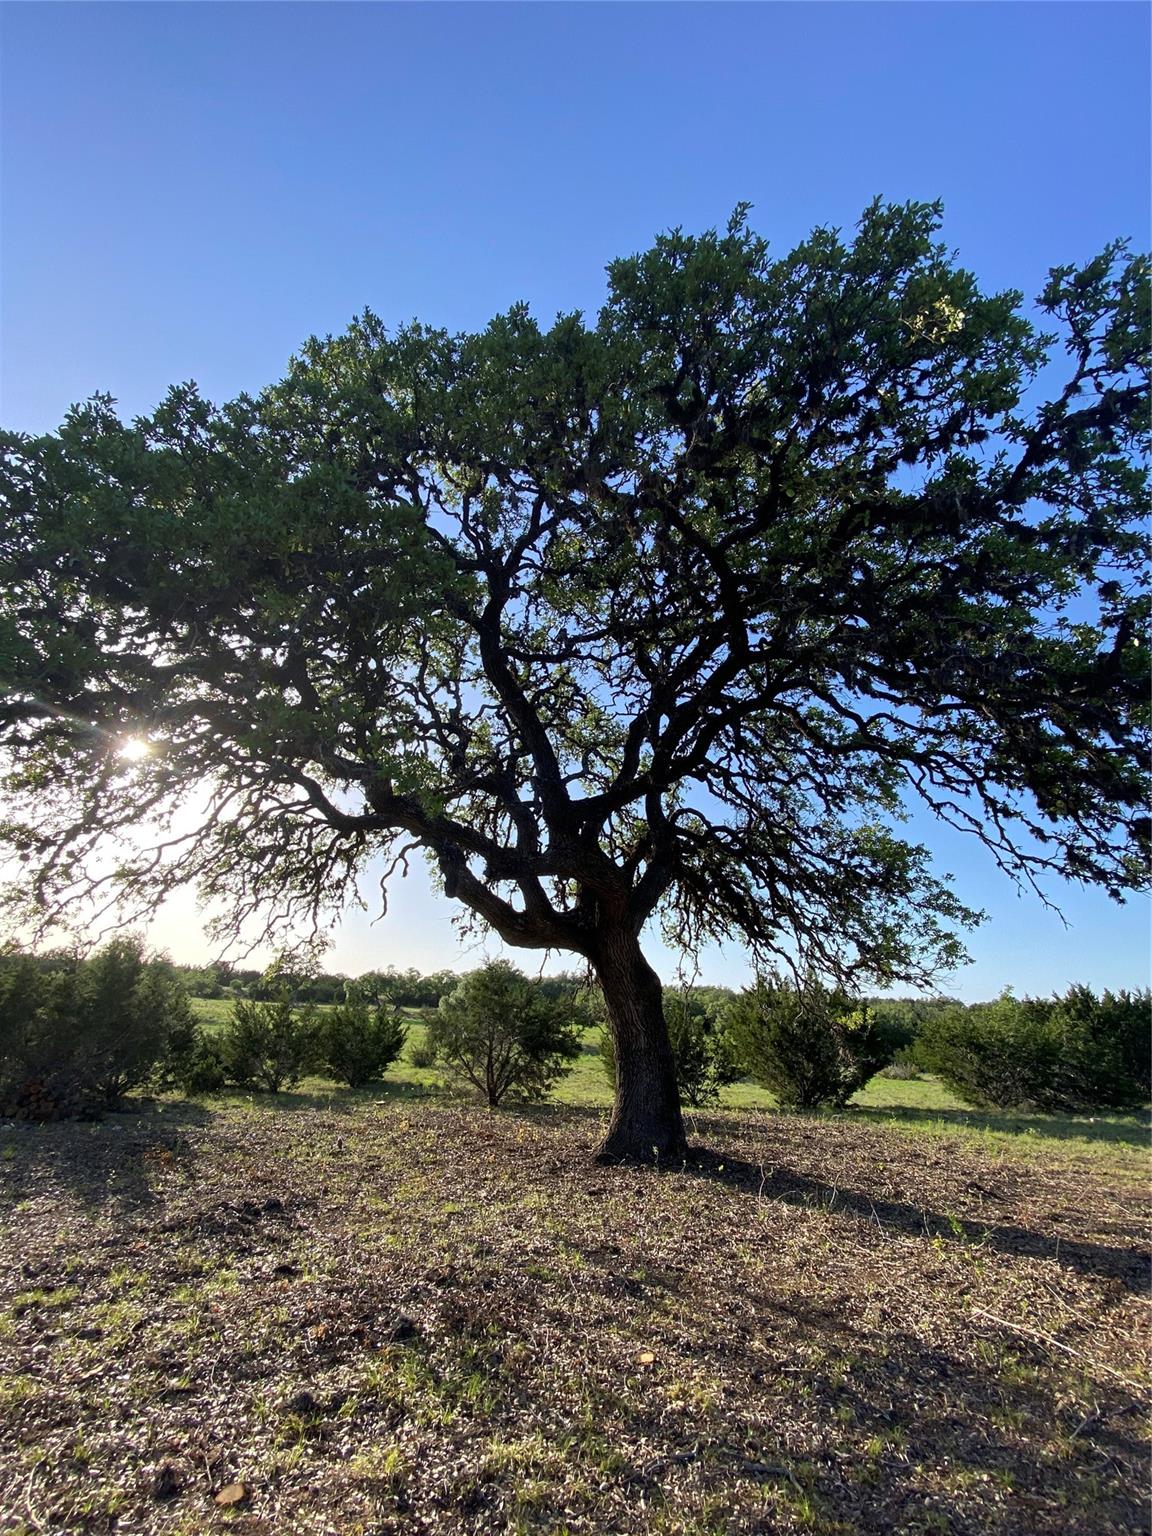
{"x": 133, "y": 748}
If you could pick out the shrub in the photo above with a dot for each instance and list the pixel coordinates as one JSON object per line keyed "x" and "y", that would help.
{"x": 41, "y": 1070}
{"x": 268, "y": 1046}
{"x": 423, "y": 1056}
{"x": 1058, "y": 1055}
{"x": 807, "y": 1044}
{"x": 700, "y": 1048}
{"x": 904, "y": 1066}
{"x": 497, "y": 1031}
{"x": 195, "y": 1062}
{"x": 356, "y": 1043}
{"x": 77, "y": 1035}
{"x": 128, "y": 1008}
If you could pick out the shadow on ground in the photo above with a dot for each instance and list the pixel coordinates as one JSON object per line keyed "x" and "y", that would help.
{"x": 1127, "y": 1264}
{"x": 111, "y": 1162}
{"x": 1128, "y": 1130}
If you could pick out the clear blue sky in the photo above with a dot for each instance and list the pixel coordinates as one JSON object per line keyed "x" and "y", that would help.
{"x": 188, "y": 191}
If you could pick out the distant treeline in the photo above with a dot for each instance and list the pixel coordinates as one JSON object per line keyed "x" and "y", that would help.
{"x": 412, "y": 989}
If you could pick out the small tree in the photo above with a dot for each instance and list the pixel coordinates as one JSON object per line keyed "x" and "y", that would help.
{"x": 77, "y": 1035}
{"x": 268, "y": 1046}
{"x": 497, "y": 1031}
{"x": 1105, "y": 1051}
{"x": 808, "y": 1044}
{"x": 195, "y": 1062}
{"x": 357, "y": 1043}
{"x": 40, "y": 1073}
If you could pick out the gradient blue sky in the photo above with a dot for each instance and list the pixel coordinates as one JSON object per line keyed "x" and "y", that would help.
{"x": 188, "y": 191}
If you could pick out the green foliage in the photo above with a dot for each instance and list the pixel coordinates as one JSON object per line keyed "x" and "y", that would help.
{"x": 422, "y": 1055}
{"x": 1076, "y": 1052}
{"x": 749, "y": 498}
{"x": 407, "y": 989}
{"x": 77, "y": 1035}
{"x": 42, "y": 1070}
{"x": 268, "y": 1046}
{"x": 810, "y": 1045}
{"x": 700, "y": 1046}
{"x": 661, "y": 615}
{"x": 356, "y": 1043}
{"x": 127, "y": 1008}
{"x": 497, "y": 1031}
{"x": 905, "y": 1066}
{"x": 194, "y": 1063}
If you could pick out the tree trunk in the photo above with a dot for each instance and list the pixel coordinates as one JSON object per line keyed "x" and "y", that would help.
{"x": 646, "y": 1123}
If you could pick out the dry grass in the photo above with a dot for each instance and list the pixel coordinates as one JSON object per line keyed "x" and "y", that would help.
{"x": 415, "y": 1318}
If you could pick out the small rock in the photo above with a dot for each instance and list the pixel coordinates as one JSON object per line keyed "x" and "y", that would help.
{"x": 232, "y": 1494}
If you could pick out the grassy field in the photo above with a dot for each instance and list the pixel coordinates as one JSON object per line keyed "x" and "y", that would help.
{"x": 384, "y": 1313}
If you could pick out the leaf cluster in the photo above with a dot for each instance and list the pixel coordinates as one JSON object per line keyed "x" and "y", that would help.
{"x": 1063, "y": 1054}
{"x": 668, "y": 614}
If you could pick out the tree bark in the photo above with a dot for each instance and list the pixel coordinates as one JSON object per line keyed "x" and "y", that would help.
{"x": 646, "y": 1122}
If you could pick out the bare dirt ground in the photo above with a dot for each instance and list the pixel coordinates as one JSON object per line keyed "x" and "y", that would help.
{"x": 430, "y": 1319}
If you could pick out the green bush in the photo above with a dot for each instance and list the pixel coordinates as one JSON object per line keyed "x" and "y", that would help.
{"x": 357, "y": 1044}
{"x": 422, "y": 1056}
{"x": 700, "y": 1048}
{"x": 129, "y": 1007}
{"x": 498, "y": 1032}
{"x": 268, "y": 1046}
{"x": 195, "y": 1062}
{"x": 904, "y": 1066}
{"x": 42, "y": 1071}
{"x": 1060, "y": 1054}
{"x": 77, "y": 1035}
{"x": 808, "y": 1045}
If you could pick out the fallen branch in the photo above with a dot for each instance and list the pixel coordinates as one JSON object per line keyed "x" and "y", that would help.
{"x": 1047, "y": 1338}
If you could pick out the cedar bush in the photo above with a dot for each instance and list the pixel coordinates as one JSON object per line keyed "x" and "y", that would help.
{"x": 268, "y": 1046}
{"x": 129, "y": 1008}
{"x": 1059, "y": 1054}
{"x": 356, "y": 1043}
{"x": 195, "y": 1062}
{"x": 77, "y": 1035}
{"x": 42, "y": 1070}
{"x": 498, "y": 1032}
{"x": 809, "y": 1045}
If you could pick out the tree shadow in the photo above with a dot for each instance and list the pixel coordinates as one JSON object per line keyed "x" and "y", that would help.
{"x": 1127, "y": 1131}
{"x": 113, "y": 1162}
{"x": 1129, "y": 1265}
{"x": 995, "y": 1426}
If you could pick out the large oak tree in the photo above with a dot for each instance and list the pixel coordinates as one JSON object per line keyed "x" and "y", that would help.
{"x": 666, "y": 614}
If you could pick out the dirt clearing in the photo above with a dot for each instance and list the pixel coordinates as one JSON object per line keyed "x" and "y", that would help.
{"x": 407, "y": 1319}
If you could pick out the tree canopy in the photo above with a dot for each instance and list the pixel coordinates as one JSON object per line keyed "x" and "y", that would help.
{"x": 665, "y": 613}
